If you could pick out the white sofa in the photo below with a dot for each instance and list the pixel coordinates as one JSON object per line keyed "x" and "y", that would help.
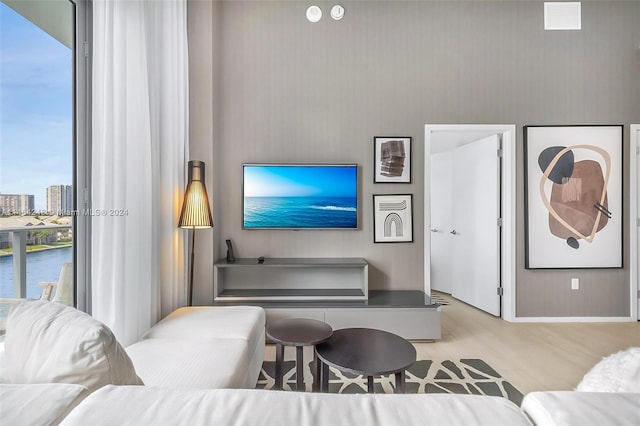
{"x": 190, "y": 360}
{"x": 203, "y": 348}
{"x": 52, "y": 349}
{"x": 141, "y": 406}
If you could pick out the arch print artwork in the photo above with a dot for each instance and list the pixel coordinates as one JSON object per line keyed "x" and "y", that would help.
{"x": 573, "y": 201}
{"x": 392, "y": 218}
{"x": 393, "y": 225}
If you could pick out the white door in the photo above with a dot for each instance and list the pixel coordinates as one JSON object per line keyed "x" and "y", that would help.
{"x": 475, "y": 232}
{"x": 441, "y": 175}
{"x": 635, "y": 137}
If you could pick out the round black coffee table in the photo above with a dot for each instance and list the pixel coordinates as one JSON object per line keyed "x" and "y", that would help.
{"x": 298, "y": 332}
{"x": 368, "y": 352}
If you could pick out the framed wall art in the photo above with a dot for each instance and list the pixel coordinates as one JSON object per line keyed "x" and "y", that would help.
{"x": 392, "y": 159}
{"x": 392, "y": 218}
{"x": 573, "y": 196}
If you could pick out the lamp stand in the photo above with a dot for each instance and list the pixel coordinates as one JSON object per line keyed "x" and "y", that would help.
{"x": 193, "y": 244}
{"x": 195, "y": 213}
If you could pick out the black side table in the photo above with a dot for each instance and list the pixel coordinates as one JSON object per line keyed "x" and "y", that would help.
{"x": 367, "y": 352}
{"x": 298, "y": 332}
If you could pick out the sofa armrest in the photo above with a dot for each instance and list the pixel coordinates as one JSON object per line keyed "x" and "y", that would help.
{"x": 565, "y": 408}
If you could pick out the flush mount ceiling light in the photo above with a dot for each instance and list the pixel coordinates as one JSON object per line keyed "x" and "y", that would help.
{"x": 562, "y": 15}
{"x": 337, "y": 12}
{"x": 314, "y": 14}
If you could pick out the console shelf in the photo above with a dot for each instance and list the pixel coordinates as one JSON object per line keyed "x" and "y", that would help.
{"x": 291, "y": 279}
{"x": 333, "y": 290}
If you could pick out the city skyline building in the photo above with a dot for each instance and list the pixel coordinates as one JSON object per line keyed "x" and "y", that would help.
{"x": 17, "y": 203}
{"x": 60, "y": 199}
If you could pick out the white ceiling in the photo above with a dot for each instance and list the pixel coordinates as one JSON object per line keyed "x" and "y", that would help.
{"x": 55, "y": 17}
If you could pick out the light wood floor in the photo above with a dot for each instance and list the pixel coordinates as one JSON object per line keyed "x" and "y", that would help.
{"x": 532, "y": 357}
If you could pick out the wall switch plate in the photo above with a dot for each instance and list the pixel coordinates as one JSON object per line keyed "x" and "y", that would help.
{"x": 575, "y": 284}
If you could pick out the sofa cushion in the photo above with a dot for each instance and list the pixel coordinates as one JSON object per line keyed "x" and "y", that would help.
{"x": 619, "y": 372}
{"x": 40, "y": 404}
{"x": 48, "y": 342}
{"x": 206, "y": 364}
{"x": 152, "y": 406}
{"x": 566, "y": 408}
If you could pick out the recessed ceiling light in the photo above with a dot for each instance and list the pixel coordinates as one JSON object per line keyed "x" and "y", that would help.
{"x": 314, "y": 14}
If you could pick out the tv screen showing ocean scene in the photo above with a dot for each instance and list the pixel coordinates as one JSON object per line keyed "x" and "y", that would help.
{"x": 300, "y": 196}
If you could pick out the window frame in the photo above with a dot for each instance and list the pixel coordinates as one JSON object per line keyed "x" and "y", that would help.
{"x": 82, "y": 152}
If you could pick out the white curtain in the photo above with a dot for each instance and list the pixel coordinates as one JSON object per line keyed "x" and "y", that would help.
{"x": 139, "y": 154}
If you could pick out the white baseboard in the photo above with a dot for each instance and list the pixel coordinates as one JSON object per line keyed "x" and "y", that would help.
{"x": 574, "y": 319}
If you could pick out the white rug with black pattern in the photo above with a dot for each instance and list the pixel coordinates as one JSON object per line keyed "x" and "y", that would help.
{"x": 465, "y": 376}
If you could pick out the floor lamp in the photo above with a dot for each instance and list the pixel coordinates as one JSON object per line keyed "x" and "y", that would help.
{"x": 195, "y": 213}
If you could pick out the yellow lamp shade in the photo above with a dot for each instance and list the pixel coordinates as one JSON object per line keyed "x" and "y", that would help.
{"x": 196, "y": 212}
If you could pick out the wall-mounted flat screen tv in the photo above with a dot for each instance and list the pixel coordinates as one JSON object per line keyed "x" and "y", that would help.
{"x": 300, "y": 196}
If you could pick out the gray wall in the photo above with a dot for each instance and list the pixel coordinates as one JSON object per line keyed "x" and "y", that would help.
{"x": 287, "y": 90}
{"x": 204, "y": 131}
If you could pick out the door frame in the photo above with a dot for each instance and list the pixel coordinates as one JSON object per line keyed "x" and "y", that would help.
{"x": 634, "y": 217}
{"x": 507, "y": 198}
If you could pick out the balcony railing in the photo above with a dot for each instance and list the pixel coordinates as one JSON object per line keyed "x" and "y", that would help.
{"x": 18, "y": 237}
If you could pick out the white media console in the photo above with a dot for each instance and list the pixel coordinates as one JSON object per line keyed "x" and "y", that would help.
{"x": 333, "y": 290}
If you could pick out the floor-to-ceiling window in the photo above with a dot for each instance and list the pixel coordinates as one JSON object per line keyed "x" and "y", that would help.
{"x": 37, "y": 144}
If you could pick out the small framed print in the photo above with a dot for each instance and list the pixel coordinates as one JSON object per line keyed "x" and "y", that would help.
{"x": 392, "y": 159}
{"x": 392, "y": 218}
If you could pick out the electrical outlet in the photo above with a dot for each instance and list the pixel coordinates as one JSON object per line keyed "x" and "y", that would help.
{"x": 575, "y": 284}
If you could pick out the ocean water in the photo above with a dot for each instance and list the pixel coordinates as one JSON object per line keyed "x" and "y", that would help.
{"x": 42, "y": 266}
{"x": 300, "y": 212}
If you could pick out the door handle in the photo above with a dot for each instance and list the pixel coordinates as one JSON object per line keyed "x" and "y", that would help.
{"x": 434, "y": 230}
{"x": 453, "y": 232}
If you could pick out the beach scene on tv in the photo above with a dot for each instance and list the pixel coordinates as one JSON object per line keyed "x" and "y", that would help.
{"x": 300, "y": 196}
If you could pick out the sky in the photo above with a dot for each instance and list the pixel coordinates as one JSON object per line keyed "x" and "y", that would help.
{"x": 36, "y": 115}
{"x": 299, "y": 181}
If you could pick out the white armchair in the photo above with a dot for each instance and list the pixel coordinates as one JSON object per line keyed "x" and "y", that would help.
{"x": 64, "y": 286}
{"x": 58, "y": 291}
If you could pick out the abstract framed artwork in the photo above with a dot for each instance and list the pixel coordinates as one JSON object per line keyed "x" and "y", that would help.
{"x": 573, "y": 196}
{"x": 393, "y": 218}
{"x": 392, "y": 159}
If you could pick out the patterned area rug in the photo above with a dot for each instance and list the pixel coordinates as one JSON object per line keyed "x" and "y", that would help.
{"x": 466, "y": 376}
